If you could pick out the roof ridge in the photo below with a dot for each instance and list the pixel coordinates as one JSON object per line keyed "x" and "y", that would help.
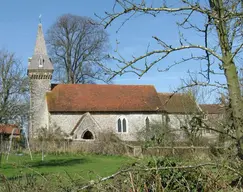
{"x": 2, "y": 124}
{"x": 171, "y": 93}
{"x": 103, "y": 84}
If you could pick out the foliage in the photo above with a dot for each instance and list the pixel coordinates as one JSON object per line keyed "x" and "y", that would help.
{"x": 193, "y": 129}
{"x": 56, "y": 141}
{"x": 54, "y": 133}
{"x": 106, "y": 143}
{"x": 172, "y": 179}
{"x": 168, "y": 174}
{"x": 109, "y": 143}
{"x": 48, "y": 140}
{"x": 157, "y": 134}
{"x": 77, "y": 47}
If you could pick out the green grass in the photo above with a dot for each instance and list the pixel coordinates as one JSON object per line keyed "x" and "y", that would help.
{"x": 70, "y": 172}
{"x": 89, "y": 166}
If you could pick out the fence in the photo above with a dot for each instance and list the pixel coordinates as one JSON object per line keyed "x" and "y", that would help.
{"x": 60, "y": 146}
{"x": 64, "y": 146}
{"x": 5, "y": 146}
{"x": 88, "y": 146}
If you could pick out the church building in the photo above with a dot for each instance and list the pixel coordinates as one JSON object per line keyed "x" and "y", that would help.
{"x": 83, "y": 111}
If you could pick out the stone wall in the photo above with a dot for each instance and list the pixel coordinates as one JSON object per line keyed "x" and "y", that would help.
{"x": 135, "y": 123}
{"x": 38, "y": 106}
{"x": 178, "y": 120}
{"x": 66, "y": 121}
{"x": 106, "y": 123}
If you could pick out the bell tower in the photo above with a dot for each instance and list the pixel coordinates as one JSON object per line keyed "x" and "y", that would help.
{"x": 40, "y": 71}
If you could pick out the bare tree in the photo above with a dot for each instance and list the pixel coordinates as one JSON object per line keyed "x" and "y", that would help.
{"x": 13, "y": 90}
{"x": 77, "y": 47}
{"x": 201, "y": 94}
{"x": 220, "y": 28}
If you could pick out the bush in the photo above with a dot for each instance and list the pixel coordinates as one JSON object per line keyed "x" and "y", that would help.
{"x": 149, "y": 177}
{"x": 107, "y": 143}
{"x": 158, "y": 134}
{"x": 168, "y": 174}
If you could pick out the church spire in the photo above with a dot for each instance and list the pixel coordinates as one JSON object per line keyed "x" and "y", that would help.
{"x": 40, "y": 45}
{"x": 40, "y": 59}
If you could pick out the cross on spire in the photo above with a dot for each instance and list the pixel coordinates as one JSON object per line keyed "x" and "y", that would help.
{"x": 40, "y": 18}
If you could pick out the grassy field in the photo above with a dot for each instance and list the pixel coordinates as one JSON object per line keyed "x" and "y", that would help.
{"x": 89, "y": 166}
{"x": 71, "y": 172}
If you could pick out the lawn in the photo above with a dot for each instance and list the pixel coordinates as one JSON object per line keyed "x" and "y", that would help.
{"x": 71, "y": 172}
{"x": 88, "y": 166}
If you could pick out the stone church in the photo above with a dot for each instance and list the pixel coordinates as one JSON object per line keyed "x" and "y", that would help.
{"x": 83, "y": 111}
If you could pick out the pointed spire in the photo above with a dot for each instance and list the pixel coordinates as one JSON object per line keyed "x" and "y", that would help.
{"x": 40, "y": 45}
{"x": 40, "y": 59}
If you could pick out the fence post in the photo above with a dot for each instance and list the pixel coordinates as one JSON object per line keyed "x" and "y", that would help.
{"x": 137, "y": 151}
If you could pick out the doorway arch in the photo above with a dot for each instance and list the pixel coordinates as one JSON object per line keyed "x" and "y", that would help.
{"x": 87, "y": 135}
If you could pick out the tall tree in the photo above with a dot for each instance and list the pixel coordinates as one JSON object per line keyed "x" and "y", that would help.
{"x": 77, "y": 47}
{"x": 13, "y": 90}
{"x": 218, "y": 23}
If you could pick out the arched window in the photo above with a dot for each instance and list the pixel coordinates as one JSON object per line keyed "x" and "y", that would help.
{"x": 122, "y": 125}
{"x": 87, "y": 135}
{"x": 147, "y": 123}
{"x": 119, "y": 125}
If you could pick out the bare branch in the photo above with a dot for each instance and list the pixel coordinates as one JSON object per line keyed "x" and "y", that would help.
{"x": 166, "y": 52}
{"x": 76, "y": 45}
{"x": 157, "y": 169}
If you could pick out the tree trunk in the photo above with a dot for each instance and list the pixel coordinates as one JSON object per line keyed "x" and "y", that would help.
{"x": 236, "y": 103}
{"x": 1, "y": 148}
{"x": 230, "y": 71}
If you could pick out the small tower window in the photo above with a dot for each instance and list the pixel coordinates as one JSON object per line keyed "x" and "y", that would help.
{"x": 29, "y": 60}
{"x": 41, "y": 62}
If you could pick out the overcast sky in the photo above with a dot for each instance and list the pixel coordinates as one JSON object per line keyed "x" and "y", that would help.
{"x": 19, "y": 21}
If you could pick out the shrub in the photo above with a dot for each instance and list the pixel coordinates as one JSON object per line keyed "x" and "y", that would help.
{"x": 107, "y": 143}
{"x": 167, "y": 174}
{"x": 158, "y": 134}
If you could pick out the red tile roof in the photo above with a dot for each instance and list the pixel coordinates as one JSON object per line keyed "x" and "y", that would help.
{"x": 178, "y": 103}
{"x": 103, "y": 98}
{"x": 7, "y": 129}
{"x": 212, "y": 108}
